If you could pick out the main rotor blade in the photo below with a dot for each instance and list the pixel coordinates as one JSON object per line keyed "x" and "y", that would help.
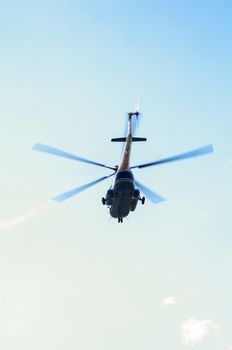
{"x": 194, "y": 153}
{"x": 154, "y": 197}
{"x": 66, "y": 195}
{"x": 57, "y": 152}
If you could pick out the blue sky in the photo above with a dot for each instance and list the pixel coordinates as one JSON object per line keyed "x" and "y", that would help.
{"x": 71, "y": 277}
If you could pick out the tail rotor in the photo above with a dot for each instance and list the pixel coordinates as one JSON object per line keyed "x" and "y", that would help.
{"x": 137, "y": 114}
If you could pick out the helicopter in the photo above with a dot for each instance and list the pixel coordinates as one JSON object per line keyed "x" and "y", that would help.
{"x": 125, "y": 193}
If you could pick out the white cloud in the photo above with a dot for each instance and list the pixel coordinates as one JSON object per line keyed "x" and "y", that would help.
{"x": 194, "y": 331}
{"x": 227, "y": 166}
{"x": 16, "y": 220}
{"x": 203, "y": 216}
{"x": 4, "y": 224}
{"x": 169, "y": 301}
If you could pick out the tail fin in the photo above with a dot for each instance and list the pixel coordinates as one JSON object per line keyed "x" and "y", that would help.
{"x": 133, "y": 121}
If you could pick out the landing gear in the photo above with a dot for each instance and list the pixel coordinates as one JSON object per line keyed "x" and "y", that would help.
{"x": 141, "y": 199}
{"x": 103, "y": 201}
{"x": 120, "y": 220}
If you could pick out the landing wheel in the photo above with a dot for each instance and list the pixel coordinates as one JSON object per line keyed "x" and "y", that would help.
{"x": 143, "y": 200}
{"x": 103, "y": 201}
{"x": 120, "y": 220}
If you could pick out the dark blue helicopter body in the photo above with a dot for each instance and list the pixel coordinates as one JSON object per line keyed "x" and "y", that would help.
{"x": 123, "y": 197}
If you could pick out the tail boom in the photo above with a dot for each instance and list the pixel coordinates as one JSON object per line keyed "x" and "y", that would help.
{"x": 125, "y": 162}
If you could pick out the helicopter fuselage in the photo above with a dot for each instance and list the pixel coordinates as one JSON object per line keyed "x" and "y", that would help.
{"x": 123, "y": 197}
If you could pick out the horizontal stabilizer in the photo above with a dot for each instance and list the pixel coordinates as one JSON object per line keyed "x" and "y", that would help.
{"x": 123, "y": 139}
{"x": 136, "y": 139}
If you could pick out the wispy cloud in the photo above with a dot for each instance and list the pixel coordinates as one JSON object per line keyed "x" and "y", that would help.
{"x": 19, "y": 219}
{"x": 169, "y": 301}
{"x": 227, "y": 166}
{"x": 194, "y": 331}
{"x": 203, "y": 215}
